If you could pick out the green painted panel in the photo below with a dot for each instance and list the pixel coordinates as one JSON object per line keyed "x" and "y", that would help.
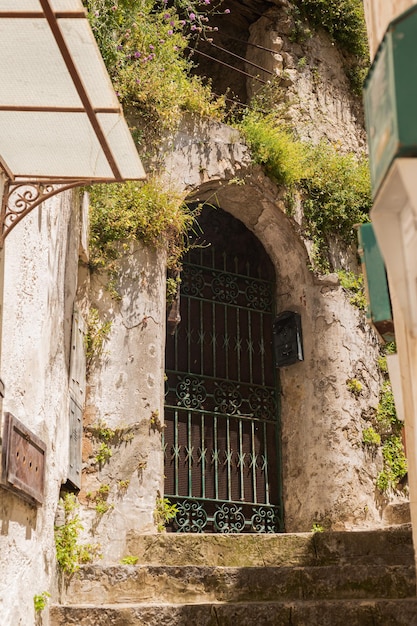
{"x": 390, "y": 97}
{"x": 379, "y": 310}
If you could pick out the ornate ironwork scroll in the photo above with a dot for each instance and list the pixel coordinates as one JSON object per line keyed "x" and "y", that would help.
{"x": 21, "y": 198}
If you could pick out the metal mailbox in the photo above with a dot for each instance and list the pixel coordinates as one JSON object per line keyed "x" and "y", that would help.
{"x": 288, "y": 341}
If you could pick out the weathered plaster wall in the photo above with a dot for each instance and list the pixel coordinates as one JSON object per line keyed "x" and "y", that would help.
{"x": 126, "y": 394}
{"x": 41, "y": 256}
{"x": 379, "y": 14}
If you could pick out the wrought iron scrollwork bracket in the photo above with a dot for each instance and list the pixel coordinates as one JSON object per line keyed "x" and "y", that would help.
{"x": 20, "y": 198}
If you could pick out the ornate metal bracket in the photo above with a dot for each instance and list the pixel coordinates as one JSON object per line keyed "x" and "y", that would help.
{"x": 20, "y": 198}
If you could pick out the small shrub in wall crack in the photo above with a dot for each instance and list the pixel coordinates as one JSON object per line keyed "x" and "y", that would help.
{"x": 129, "y": 560}
{"x": 40, "y": 601}
{"x": 164, "y": 512}
{"x": 70, "y": 554}
{"x": 96, "y": 337}
{"x": 354, "y": 386}
{"x": 353, "y": 284}
{"x": 370, "y": 437}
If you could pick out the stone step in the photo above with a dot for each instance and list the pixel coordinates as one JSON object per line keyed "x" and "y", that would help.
{"x": 388, "y": 546}
{"x": 380, "y": 612}
{"x": 202, "y": 584}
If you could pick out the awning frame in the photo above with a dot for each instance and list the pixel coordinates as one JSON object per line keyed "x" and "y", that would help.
{"x": 23, "y": 191}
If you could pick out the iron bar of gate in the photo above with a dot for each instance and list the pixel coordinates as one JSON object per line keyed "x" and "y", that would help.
{"x": 250, "y": 346}
{"x": 262, "y": 348}
{"x": 255, "y": 498}
{"x": 228, "y": 459}
{"x": 203, "y": 462}
{"x": 201, "y": 337}
{"x": 265, "y": 463}
{"x": 177, "y": 453}
{"x": 241, "y": 463}
{"x": 216, "y": 457}
{"x": 189, "y": 453}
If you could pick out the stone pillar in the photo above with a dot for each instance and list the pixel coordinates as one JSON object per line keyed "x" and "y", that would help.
{"x": 124, "y": 414}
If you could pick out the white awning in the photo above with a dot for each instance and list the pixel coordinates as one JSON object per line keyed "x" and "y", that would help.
{"x": 60, "y": 119}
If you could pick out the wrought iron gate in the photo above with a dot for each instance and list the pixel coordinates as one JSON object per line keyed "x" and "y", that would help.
{"x": 221, "y": 415}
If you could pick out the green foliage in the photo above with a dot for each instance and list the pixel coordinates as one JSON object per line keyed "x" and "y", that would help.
{"x": 390, "y": 427}
{"x": 104, "y": 453}
{"x": 69, "y": 553}
{"x": 40, "y": 601}
{"x": 354, "y": 386}
{"x": 395, "y": 463}
{"x": 285, "y": 159}
{"x": 163, "y": 513}
{"x": 335, "y": 187}
{"x": 344, "y": 20}
{"x": 338, "y": 196}
{"x": 102, "y": 507}
{"x": 317, "y": 528}
{"x": 370, "y": 437}
{"x": 95, "y": 339}
{"x": 386, "y": 414}
{"x": 388, "y": 348}
{"x": 122, "y": 213}
{"x": 143, "y": 43}
{"x": 129, "y": 560}
{"x": 353, "y": 283}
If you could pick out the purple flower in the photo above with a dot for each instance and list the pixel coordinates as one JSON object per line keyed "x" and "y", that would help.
{"x": 167, "y": 16}
{"x": 172, "y": 23}
{"x": 227, "y": 10}
{"x": 192, "y": 16}
{"x": 206, "y": 1}
{"x": 170, "y": 32}
{"x": 137, "y": 55}
{"x": 182, "y": 23}
{"x": 120, "y": 47}
{"x": 193, "y": 27}
{"x": 151, "y": 47}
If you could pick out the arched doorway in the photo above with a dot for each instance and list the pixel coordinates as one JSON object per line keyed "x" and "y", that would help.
{"x": 222, "y": 444}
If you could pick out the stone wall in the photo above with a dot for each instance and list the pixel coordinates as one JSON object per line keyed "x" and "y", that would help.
{"x": 316, "y": 94}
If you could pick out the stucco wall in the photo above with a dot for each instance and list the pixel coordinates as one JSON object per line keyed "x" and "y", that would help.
{"x": 379, "y": 13}
{"x": 39, "y": 285}
{"x": 125, "y": 394}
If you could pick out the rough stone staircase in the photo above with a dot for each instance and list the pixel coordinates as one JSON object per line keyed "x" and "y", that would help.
{"x": 322, "y": 579}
